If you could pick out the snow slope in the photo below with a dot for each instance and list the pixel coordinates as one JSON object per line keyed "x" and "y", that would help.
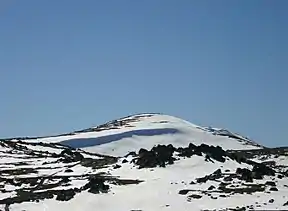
{"x": 160, "y": 190}
{"x": 131, "y": 133}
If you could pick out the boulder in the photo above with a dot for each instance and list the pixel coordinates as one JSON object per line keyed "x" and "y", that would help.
{"x": 65, "y": 195}
{"x": 96, "y": 185}
{"x": 183, "y": 192}
{"x": 71, "y": 156}
{"x": 259, "y": 170}
{"x": 245, "y": 174}
{"x": 212, "y": 187}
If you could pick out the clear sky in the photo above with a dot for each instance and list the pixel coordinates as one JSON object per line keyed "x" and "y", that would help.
{"x": 67, "y": 64}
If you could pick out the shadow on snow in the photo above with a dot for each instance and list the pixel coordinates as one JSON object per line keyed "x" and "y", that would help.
{"x": 88, "y": 142}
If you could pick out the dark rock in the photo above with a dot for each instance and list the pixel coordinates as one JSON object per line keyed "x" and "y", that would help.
{"x": 273, "y": 189}
{"x": 65, "y": 195}
{"x": 271, "y": 200}
{"x": 269, "y": 163}
{"x": 65, "y": 180}
{"x": 183, "y": 192}
{"x": 240, "y": 209}
{"x": 187, "y": 152}
{"x": 142, "y": 151}
{"x": 117, "y": 166}
{"x": 270, "y": 183}
{"x": 208, "y": 159}
{"x": 218, "y": 172}
{"x": 195, "y": 196}
{"x": 202, "y": 179}
{"x": 229, "y": 178}
{"x": 192, "y": 146}
{"x": 215, "y": 175}
{"x": 245, "y": 174}
{"x": 125, "y": 161}
{"x": 133, "y": 154}
{"x": 280, "y": 176}
{"x": 96, "y": 185}
{"x": 216, "y": 153}
{"x": 160, "y": 155}
{"x": 285, "y": 204}
{"x": 211, "y": 187}
{"x": 68, "y": 170}
{"x": 71, "y": 156}
{"x": 260, "y": 170}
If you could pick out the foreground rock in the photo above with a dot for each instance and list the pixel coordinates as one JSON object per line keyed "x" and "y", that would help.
{"x": 30, "y": 180}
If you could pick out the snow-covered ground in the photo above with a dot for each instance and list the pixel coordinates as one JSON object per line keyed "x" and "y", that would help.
{"x": 41, "y": 165}
{"x": 160, "y": 191}
{"x": 131, "y": 133}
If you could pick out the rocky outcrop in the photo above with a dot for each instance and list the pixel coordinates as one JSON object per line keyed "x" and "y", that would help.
{"x": 160, "y": 155}
{"x": 96, "y": 185}
{"x": 163, "y": 155}
{"x": 69, "y": 156}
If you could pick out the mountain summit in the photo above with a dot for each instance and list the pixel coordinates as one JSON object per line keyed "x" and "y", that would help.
{"x": 119, "y": 137}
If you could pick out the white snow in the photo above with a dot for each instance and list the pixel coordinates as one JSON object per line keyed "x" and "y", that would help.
{"x": 159, "y": 191}
{"x": 160, "y": 188}
{"x": 146, "y": 131}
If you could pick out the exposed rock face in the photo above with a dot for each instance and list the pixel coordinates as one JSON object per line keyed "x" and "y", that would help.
{"x": 163, "y": 155}
{"x": 160, "y": 155}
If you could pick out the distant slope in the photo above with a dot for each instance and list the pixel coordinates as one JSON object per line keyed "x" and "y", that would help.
{"x": 118, "y": 137}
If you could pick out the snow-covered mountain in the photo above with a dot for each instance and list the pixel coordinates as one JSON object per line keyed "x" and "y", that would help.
{"x": 118, "y": 137}
{"x": 145, "y": 162}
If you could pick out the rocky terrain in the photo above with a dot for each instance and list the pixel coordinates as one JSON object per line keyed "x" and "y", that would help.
{"x": 38, "y": 174}
{"x": 34, "y": 172}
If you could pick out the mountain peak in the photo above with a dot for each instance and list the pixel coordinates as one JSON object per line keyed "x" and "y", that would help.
{"x": 145, "y": 130}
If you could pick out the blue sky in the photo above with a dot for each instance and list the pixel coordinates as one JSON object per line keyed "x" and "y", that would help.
{"x": 70, "y": 64}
